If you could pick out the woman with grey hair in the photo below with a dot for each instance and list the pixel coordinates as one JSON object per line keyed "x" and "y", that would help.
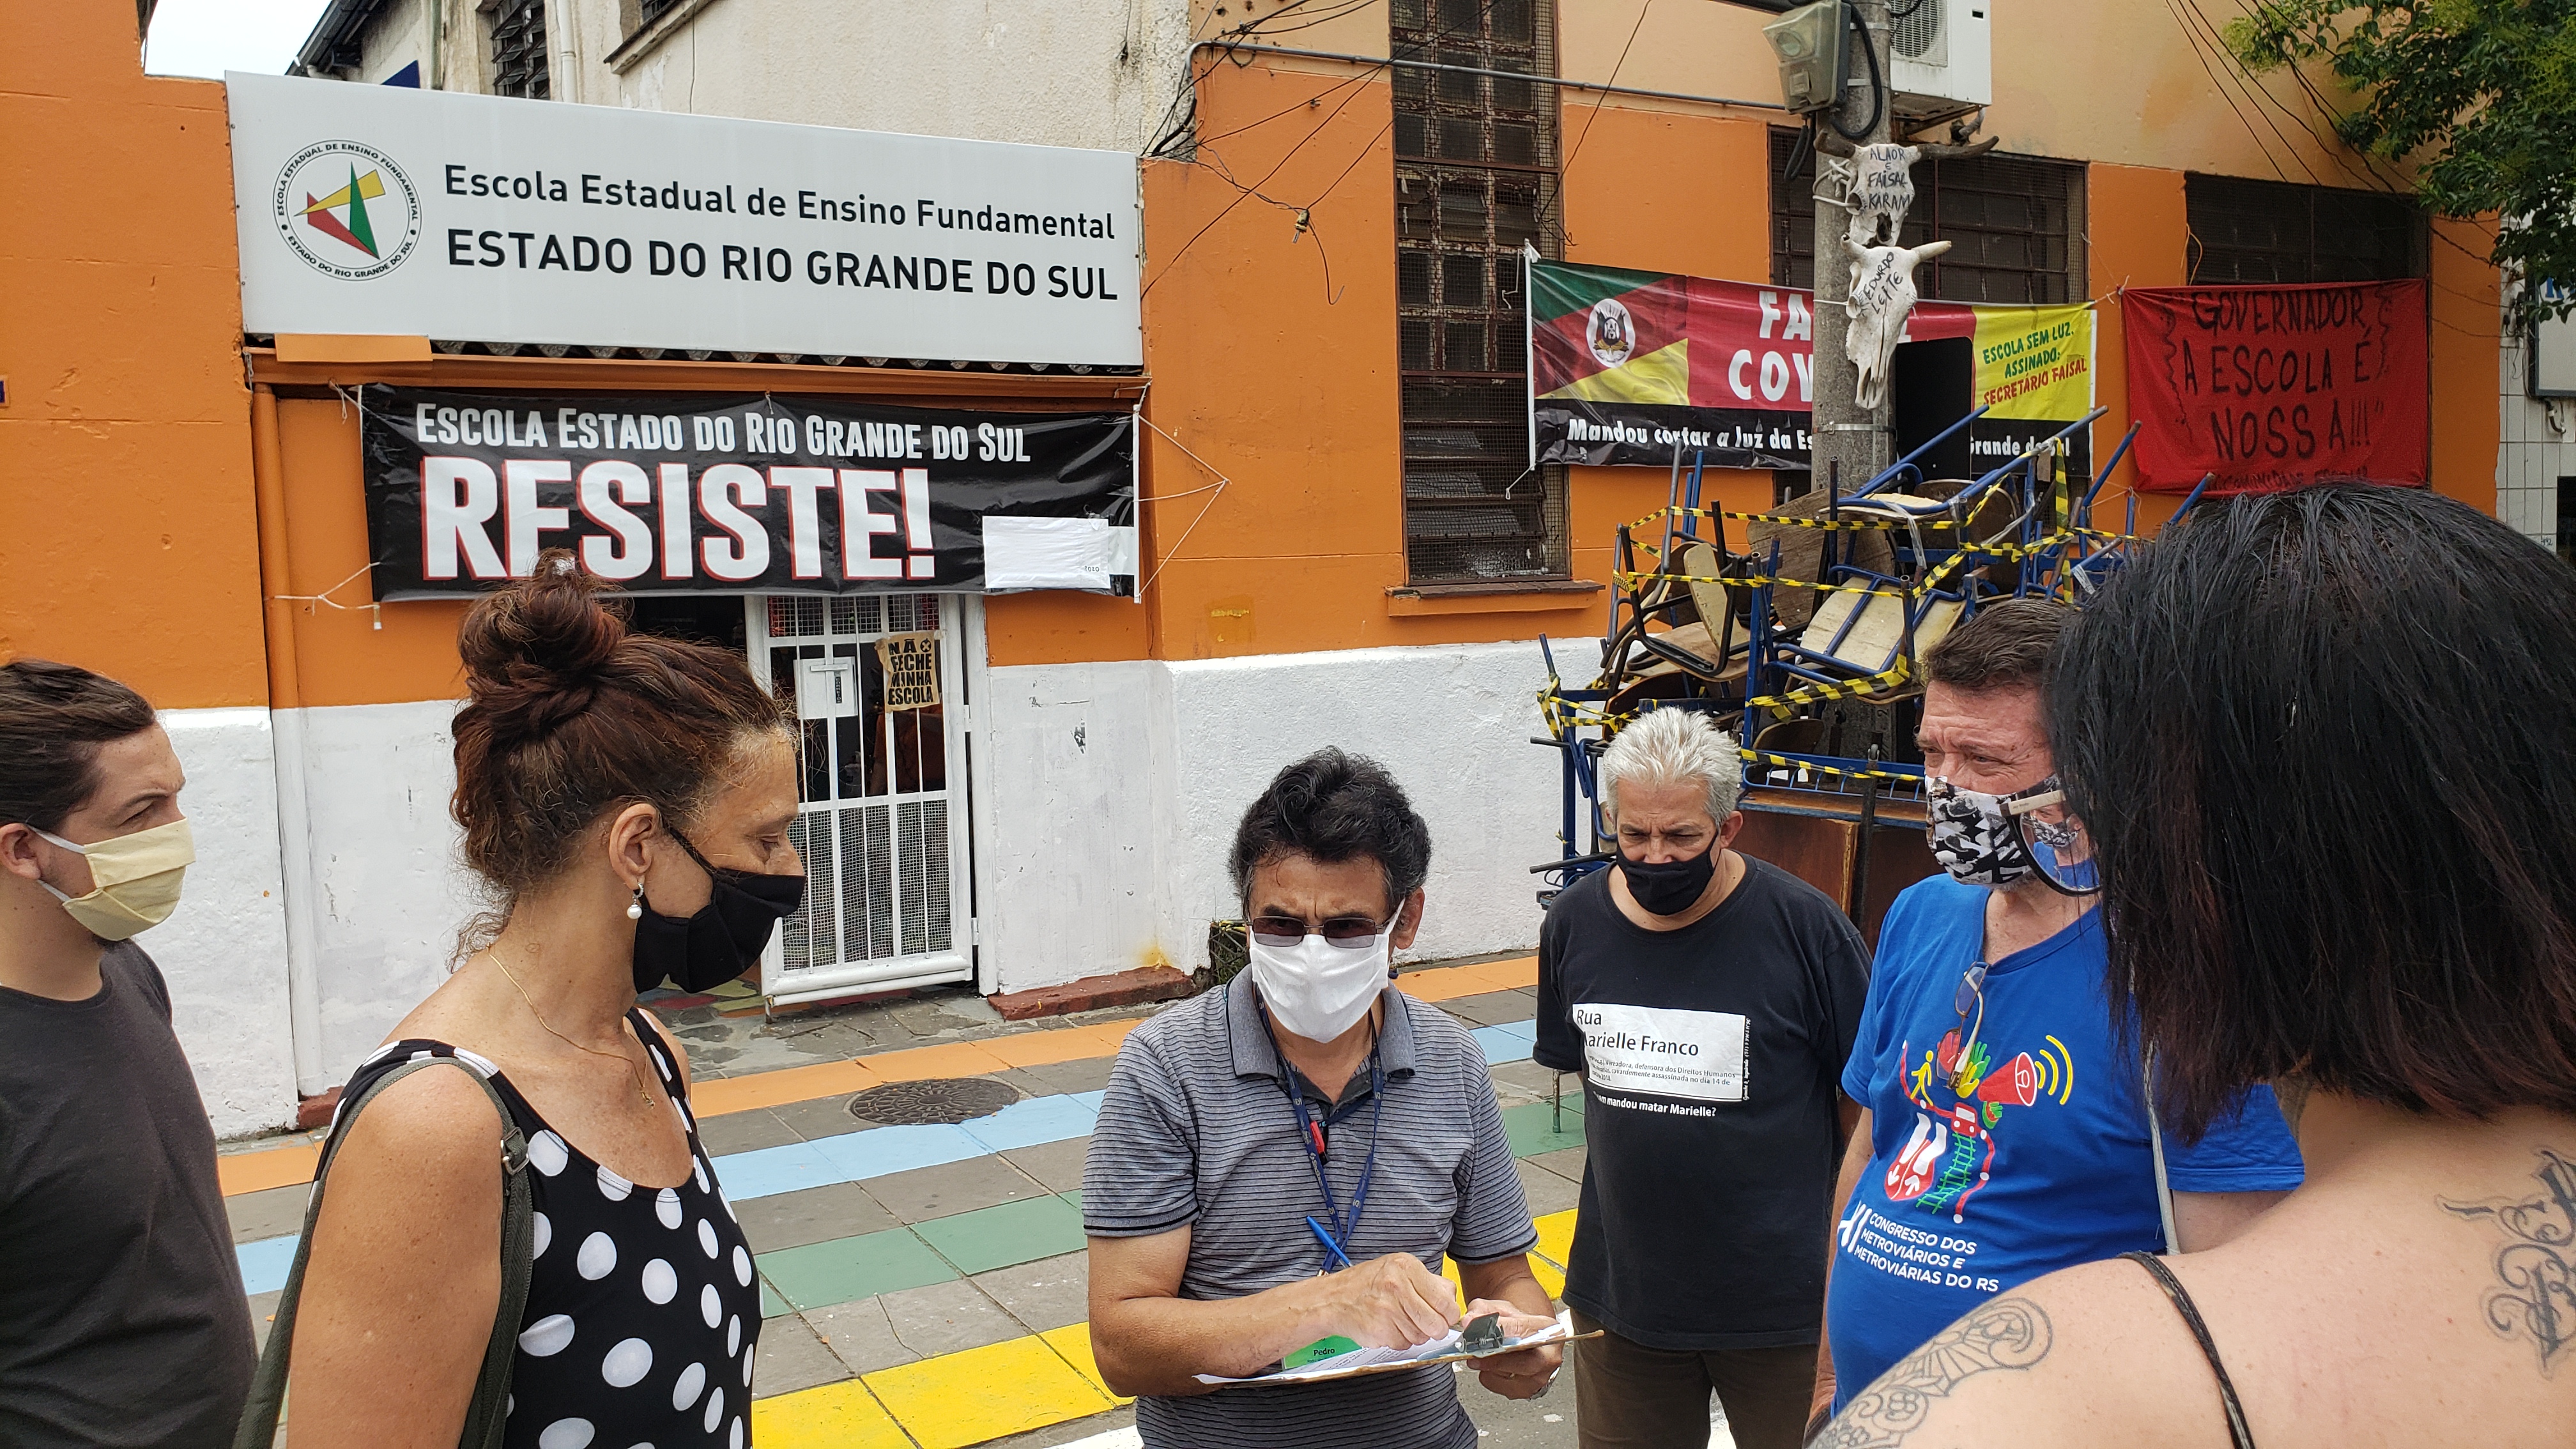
{"x": 1709, "y": 1000}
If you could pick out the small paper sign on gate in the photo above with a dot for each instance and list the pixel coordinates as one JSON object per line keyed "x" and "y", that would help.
{"x": 827, "y": 688}
{"x": 911, "y": 663}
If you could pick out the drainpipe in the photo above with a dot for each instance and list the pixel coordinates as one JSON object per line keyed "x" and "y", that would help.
{"x": 567, "y": 79}
{"x": 286, "y": 739}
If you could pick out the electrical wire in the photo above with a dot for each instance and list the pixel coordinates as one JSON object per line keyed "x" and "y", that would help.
{"x": 1305, "y": 213}
{"x": 2221, "y": 91}
{"x": 1595, "y": 113}
{"x": 1877, "y": 85}
{"x": 2338, "y": 152}
{"x": 1254, "y": 190}
{"x": 2215, "y": 45}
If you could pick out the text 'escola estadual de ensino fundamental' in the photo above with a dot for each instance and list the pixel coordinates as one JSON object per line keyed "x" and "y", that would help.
{"x": 540, "y": 251}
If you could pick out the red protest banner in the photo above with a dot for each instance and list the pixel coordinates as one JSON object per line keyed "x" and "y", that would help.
{"x": 2276, "y": 387}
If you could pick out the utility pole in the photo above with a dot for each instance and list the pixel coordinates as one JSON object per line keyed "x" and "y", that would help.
{"x": 1862, "y": 441}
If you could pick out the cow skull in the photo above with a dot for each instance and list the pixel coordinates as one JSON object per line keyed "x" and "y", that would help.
{"x": 1880, "y": 192}
{"x": 1882, "y": 296}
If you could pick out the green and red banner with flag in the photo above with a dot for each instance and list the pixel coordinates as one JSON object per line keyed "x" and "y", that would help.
{"x": 1625, "y": 367}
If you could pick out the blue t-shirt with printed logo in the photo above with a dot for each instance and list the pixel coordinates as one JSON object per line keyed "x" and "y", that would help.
{"x": 2042, "y": 1165}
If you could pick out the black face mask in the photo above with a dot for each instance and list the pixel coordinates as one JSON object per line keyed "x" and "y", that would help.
{"x": 722, "y": 941}
{"x": 1673, "y": 886}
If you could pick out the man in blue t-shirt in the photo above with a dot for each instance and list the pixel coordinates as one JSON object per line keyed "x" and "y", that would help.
{"x": 2003, "y": 1134}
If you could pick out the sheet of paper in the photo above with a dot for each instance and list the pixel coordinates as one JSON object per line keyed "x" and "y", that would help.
{"x": 1443, "y": 1349}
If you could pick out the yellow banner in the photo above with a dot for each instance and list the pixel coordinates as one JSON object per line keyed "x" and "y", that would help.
{"x": 2035, "y": 362}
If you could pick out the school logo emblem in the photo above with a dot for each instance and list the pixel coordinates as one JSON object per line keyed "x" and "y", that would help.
{"x": 346, "y": 209}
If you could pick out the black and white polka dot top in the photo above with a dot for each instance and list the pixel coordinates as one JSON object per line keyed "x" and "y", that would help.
{"x": 643, "y": 1313}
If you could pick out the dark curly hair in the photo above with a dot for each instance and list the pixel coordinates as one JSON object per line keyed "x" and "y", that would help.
{"x": 570, "y": 716}
{"x": 1333, "y": 807}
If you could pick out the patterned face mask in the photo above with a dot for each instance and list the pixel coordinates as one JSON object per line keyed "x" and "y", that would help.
{"x": 1972, "y": 832}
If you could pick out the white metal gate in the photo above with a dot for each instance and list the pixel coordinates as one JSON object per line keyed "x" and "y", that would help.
{"x": 883, "y": 827}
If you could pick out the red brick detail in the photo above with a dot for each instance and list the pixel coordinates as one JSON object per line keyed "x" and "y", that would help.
{"x": 314, "y": 1112}
{"x": 1125, "y": 988}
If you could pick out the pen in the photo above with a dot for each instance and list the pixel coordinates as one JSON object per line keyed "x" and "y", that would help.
{"x": 1327, "y": 1240}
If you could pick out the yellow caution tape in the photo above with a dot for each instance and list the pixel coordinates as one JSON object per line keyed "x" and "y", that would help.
{"x": 1839, "y": 525}
{"x": 1765, "y": 757}
{"x": 1844, "y": 689}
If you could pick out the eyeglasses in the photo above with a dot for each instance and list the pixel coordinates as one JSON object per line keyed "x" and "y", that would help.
{"x": 1350, "y": 933}
{"x": 1971, "y": 995}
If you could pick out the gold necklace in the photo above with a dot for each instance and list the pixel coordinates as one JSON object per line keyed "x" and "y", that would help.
{"x": 641, "y": 1092}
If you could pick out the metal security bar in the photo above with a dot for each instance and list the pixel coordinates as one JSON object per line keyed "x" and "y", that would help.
{"x": 519, "y": 50}
{"x": 2015, "y": 225}
{"x": 1475, "y": 173}
{"x": 882, "y": 819}
{"x": 2267, "y": 232}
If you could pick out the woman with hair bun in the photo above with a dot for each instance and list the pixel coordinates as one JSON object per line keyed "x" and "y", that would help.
{"x": 626, "y": 799}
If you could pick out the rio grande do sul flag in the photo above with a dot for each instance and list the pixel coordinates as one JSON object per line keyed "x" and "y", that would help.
{"x": 1626, "y": 366}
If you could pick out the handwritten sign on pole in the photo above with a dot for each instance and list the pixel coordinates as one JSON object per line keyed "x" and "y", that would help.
{"x": 911, "y": 664}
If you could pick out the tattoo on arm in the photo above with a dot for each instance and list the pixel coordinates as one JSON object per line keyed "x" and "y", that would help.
{"x": 2004, "y": 1333}
{"x": 2536, "y": 1268}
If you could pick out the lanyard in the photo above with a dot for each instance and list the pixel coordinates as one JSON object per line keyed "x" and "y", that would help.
{"x": 1311, "y": 1132}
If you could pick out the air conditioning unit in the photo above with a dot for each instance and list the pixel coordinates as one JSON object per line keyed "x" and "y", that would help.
{"x": 1941, "y": 58}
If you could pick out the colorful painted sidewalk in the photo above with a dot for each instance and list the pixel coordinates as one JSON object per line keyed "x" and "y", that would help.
{"x": 926, "y": 1285}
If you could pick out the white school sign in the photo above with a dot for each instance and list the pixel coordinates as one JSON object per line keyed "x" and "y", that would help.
{"x": 377, "y": 209}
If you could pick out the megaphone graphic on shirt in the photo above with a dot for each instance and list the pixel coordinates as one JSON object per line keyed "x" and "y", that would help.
{"x": 2014, "y": 1084}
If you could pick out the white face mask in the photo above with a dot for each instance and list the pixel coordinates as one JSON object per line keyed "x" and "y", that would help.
{"x": 1316, "y": 989}
{"x": 134, "y": 879}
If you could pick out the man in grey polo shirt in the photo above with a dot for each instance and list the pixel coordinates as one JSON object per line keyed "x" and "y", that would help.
{"x": 1288, "y": 1159}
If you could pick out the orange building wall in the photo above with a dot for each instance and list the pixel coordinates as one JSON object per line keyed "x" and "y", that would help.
{"x": 1283, "y": 384}
{"x": 341, "y": 657}
{"x": 1661, "y": 191}
{"x": 2137, "y": 236}
{"x": 2468, "y": 426}
{"x": 126, "y": 515}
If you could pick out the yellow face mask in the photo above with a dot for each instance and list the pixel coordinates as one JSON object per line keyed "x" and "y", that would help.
{"x": 134, "y": 879}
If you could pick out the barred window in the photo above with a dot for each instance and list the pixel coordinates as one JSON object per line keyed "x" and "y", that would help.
{"x": 2015, "y": 226}
{"x": 1475, "y": 173}
{"x": 2272, "y": 232}
{"x": 519, "y": 50}
{"x": 651, "y": 10}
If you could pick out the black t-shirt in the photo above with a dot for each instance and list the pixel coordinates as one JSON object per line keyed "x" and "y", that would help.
{"x": 1711, "y": 1057}
{"x": 121, "y": 1315}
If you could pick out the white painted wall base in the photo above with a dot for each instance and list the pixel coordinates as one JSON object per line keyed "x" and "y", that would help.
{"x": 224, "y": 950}
{"x": 380, "y": 894}
{"x": 1116, "y": 790}
{"x": 1109, "y": 795}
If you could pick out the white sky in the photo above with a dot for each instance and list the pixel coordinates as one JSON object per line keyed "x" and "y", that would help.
{"x": 209, "y": 37}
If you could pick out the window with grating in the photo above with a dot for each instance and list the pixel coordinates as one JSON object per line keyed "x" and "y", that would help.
{"x": 1475, "y": 174}
{"x": 519, "y": 50}
{"x": 651, "y": 10}
{"x": 2015, "y": 226}
{"x": 2271, "y": 231}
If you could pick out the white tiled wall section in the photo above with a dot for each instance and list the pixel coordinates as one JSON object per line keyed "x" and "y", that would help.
{"x": 2537, "y": 447}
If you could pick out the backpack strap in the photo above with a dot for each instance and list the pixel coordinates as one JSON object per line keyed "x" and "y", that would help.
{"x": 490, "y": 1405}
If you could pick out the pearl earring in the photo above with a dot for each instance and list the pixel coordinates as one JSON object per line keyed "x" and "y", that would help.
{"x": 635, "y": 907}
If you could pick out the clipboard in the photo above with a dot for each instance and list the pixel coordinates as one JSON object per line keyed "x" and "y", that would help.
{"x": 1360, "y": 1363}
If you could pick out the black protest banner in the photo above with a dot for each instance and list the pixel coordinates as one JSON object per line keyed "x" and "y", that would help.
{"x": 708, "y": 493}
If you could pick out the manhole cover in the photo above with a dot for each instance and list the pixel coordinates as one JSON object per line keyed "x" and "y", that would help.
{"x": 940, "y": 1099}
